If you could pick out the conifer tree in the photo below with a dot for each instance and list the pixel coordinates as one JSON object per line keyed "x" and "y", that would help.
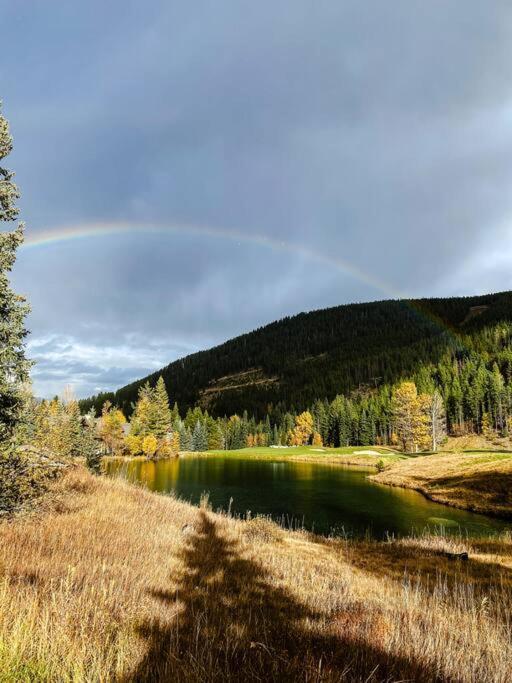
{"x": 161, "y": 413}
{"x": 175, "y": 418}
{"x": 364, "y": 432}
{"x": 185, "y": 438}
{"x": 235, "y": 437}
{"x": 142, "y": 418}
{"x": 73, "y": 429}
{"x": 199, "y": 437}
{"x": 42, "y": 425}
{"x": 275, "y": 436}
{"x": 89, "y": 444}
{"x": 14, "y": 367}
{"x": 267, "y": 431}
{"x": 215, "y": 438}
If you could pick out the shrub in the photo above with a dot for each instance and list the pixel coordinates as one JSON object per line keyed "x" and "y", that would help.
{"x": 262, "y": 530}
{"x": 149, "y": 445}
{"x": 133, "y": 444}
{"x": 24, "y": 476}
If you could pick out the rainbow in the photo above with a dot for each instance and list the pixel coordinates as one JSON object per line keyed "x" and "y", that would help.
{"x": 87, "y": 231}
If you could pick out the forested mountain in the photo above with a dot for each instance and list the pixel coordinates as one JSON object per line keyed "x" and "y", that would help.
{"x": 328, "y": 352}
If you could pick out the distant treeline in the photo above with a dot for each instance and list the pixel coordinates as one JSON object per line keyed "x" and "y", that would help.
{"x": 352, "y": 356}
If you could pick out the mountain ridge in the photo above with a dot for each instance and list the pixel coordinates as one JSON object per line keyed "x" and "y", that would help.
{"x": 320, "y": 353}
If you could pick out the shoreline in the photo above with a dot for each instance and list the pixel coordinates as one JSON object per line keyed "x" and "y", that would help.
{"x": 429, "y": 475}
{"x": 478, "y": 482}
{"x": 362, "y": 460}
{"x": 506, "y": 516}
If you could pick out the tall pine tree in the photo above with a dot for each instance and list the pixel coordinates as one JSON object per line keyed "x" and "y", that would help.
{"x": 14, "y": 367}
{"x": 162, "y": 417}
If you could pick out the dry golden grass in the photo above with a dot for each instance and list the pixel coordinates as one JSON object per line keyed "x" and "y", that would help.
{"x": 481, "y": 482}
{"x": 476, "y": 442}
{"x": 118, "y": 584}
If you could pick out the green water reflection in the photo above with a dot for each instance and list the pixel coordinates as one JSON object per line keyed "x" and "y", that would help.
{"x": 324, "y": 498}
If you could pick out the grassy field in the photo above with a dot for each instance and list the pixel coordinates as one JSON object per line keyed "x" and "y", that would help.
{"x": 481, "y": 482}
{"x": 365, "y": 456}
{"x": 110, "y": 582}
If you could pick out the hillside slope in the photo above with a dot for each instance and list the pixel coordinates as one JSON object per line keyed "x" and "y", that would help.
{"x": 322, "y": 353}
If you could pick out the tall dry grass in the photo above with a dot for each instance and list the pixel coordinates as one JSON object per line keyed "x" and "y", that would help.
{"x": 113, "y": 583}
{"x": 473, "y": 481}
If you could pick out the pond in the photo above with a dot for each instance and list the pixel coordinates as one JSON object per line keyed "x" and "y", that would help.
{"x": 322, "y": 498}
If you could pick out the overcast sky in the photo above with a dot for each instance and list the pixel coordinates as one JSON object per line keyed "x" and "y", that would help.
{"x": 372, "y": 134}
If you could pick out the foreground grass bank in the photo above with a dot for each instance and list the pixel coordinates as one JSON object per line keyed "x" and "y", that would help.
{"x": 113, "y": 583}
{"x": 481, "y": 482}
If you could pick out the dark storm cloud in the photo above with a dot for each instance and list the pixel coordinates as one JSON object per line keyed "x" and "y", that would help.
{"x": 378, "y": 133}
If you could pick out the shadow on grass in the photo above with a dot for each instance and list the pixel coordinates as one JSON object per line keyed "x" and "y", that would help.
{"x": 393, "y": 561}
{"x": 231, "y": 624}
{"x": 497, "y": 486}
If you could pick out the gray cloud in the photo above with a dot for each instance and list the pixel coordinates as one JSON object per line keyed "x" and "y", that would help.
{"x": 378, "y": 134}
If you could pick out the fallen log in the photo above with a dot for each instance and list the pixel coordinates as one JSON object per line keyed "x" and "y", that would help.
{"x": 456, "y": 556}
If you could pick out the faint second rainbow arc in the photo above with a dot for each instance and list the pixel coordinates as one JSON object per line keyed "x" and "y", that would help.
{"x": 83, "y": 231}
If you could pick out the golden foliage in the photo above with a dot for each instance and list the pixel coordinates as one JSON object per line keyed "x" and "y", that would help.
{"x": 133, "y": 444}
{"x": 149, "y": 445}
{"x": 413, "y": 418}
{"x": 303, "y": 429}
{"x": 57, "y": 427}
{"x": 111, "y": 429}
{"x": 317, "y": 440}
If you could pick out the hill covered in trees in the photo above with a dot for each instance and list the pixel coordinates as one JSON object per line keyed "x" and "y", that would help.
{"x": 336, "y": 351}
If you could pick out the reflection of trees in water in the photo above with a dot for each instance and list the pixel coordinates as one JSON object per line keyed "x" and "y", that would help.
{"x": 147, "y": 473}
{"x": 228, "y": 623}
{"x": 324, "y": 497}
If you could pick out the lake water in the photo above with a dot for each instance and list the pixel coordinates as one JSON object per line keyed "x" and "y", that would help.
{"x": 323, "y": 498}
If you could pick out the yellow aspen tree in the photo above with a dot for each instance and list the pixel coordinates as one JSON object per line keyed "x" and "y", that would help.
{"x": 423, "y": 427}
{"x": 303, "y": 430}
{"x": 149, "y": 445}
{"x": 133, "y": 444}
{"x": 406, "y": 414}
{"x": 317, "y": 440}
{"x": 111, "y": 428}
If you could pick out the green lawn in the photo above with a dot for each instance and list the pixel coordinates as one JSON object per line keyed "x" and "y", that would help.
{"x": 350, "y": 454}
